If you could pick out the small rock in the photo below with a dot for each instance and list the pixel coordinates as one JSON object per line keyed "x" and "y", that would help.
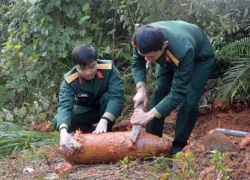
{"x": 52, "y": 155}
{"x": 92, "y": 171}
{"x": 64, "y": 168}
{"x": 245, "y": 141}
{"x": 28, "y": 170}
{"x": 51, "y": 176}
{"x": 217, "y": 141}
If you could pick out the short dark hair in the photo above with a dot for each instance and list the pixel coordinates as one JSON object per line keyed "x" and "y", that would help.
{"x": 84, "y": 55}
{"x": 148, "y": 38}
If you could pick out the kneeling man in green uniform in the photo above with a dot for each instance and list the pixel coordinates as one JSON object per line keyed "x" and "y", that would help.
{"x": 184, "y": 60}
{"x": 90, "y": 93}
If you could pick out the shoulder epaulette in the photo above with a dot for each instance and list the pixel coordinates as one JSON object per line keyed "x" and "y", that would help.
{"x": 72, "y": 77}
{"x": 173, "y": 58}
{"x": 104, "y": 66}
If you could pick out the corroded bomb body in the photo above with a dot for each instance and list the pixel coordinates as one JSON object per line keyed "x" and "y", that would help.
{"x": 114, "y": 146}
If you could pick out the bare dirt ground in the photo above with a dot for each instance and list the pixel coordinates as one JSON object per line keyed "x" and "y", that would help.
{"x": 44, "y": 160}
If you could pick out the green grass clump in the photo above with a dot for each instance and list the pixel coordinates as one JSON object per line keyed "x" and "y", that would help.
{"x": 14, "y": 140}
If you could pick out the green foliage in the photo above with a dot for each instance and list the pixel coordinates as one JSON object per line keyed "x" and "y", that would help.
{"x": 189, "y": 167}
{"x": 161, "y": 167}
{"x": 129, "y": 92}
{"x": 4, "y": 22}
{"x": 228, "y": 21}
{"x": 124, "y": 164}
{"x": 14, "y": 140}
{"x": 236, "y": 81}
{"x": 229, "y": 34}
{"x": 27, "y": 113}
{"x": 217, "y": 160}
{"x": 37, "y": 38}
{"x": 235, "y": 50}
{"x": 41, "y": 35}
{"x": 5, "y": 95}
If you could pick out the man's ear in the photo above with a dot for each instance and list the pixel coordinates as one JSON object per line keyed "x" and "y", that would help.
{"x": 165, "y": 44}
{"x": 137, "y": 26}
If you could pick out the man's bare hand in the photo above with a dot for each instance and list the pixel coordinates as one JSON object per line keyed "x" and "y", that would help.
{"x": 141, "y": 96}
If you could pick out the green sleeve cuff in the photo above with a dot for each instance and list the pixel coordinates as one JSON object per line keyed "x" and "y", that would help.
{"x": 140, "y": 84}
{"x": 156, "y": 113}
{"x": 63, "y": 125}
{"x": 110, "y": 116}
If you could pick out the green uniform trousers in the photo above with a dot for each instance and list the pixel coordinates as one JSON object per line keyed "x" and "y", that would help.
{"x": 188, "y": 112}
{"x": 85, "y": 120}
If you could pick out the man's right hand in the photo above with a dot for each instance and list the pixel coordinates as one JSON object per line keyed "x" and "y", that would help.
{"x": 141, "y": 96}
{"x": 66, "y": 141}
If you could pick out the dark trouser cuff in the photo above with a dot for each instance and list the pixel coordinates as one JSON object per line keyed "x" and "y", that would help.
{"x": 177, "y": 147}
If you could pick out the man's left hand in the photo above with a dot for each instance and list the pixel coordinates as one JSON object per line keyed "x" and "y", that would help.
{"x": 101, "y": 127}
{"x": 141, "y": 117}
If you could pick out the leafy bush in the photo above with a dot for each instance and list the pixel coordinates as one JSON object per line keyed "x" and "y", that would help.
{"x": 37, "y": 37}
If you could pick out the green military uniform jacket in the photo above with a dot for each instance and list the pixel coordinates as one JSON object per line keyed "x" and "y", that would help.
{"x": 78, "y": 95}
{"x": 187, "y": 43}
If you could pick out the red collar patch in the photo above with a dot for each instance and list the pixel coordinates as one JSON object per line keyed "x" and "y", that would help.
{"x": 99, "y": 74}
{"x": 168, "y": 60}
{"x": 80, "y": 80}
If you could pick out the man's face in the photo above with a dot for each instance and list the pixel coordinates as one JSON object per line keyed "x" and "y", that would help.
{"x": 87, "y": 72}
{"x": 154, "y": 55}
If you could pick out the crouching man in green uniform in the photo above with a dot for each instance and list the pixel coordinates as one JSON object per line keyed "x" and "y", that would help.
{"x": 184, "y": 60}
{"x": 90, "y": 93}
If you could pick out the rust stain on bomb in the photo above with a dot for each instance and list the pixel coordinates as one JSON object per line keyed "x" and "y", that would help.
{"x": 114, "y": 146}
